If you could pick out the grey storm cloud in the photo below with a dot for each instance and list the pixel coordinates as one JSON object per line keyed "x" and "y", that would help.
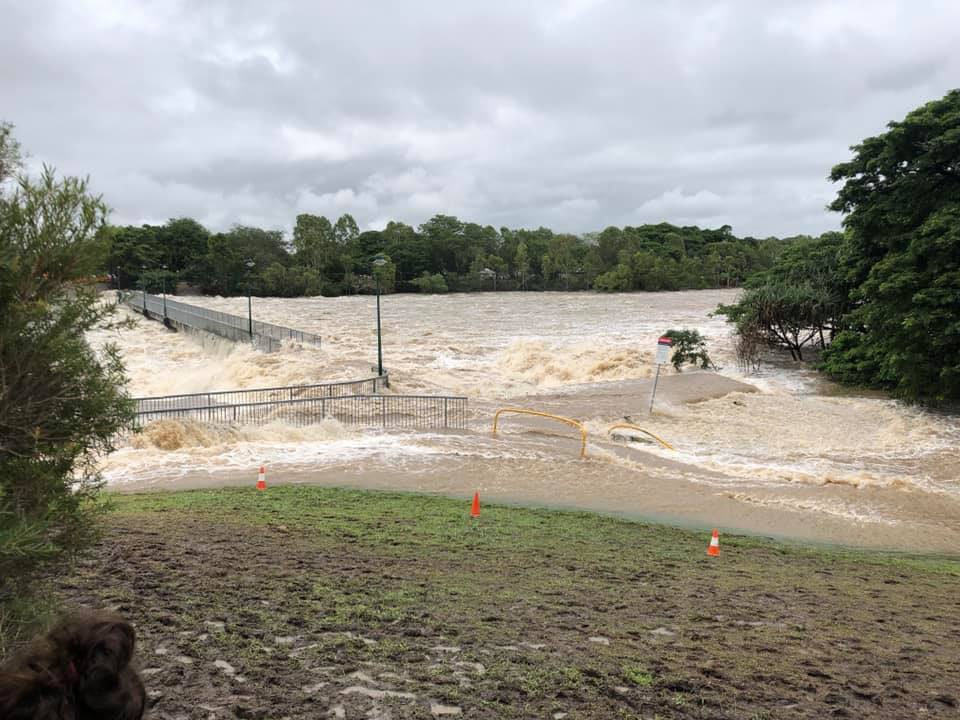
{"x": 575, "y": 115}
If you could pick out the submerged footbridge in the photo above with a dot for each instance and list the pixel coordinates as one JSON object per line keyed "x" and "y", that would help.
{"x": 355, "y": 403}
{"x": 173, "y": 313}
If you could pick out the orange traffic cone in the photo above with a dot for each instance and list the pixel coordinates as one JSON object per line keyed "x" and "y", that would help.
{"x": 262, "y": 479}
{"x": 475, "y": 508}
{"x": 714, "y": 548}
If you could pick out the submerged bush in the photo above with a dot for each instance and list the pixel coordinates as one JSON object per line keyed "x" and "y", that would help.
{"x": 689, "y": 347}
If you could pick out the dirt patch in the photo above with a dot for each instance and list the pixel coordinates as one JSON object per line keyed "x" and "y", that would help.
{"x": 314, "y": 603}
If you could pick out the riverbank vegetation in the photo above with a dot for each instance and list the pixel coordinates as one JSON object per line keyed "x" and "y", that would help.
{"x": 882, "y": 299}
{"x": 443, "y": 254}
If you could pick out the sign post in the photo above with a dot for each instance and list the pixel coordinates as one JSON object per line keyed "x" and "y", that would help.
{"x": 664, "y": 344}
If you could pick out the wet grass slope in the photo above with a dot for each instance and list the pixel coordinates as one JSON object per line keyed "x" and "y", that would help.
{"x": 312, "y": 602}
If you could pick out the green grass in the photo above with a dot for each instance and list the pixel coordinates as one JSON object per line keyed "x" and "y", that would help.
{"x": 404, "y": 524}
{"x": 391, "y": 582}
{"x": 638, "y": 675}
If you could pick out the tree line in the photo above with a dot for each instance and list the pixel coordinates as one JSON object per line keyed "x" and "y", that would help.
{"x": 443, "y": 254}
{"x": 880, "y": 301}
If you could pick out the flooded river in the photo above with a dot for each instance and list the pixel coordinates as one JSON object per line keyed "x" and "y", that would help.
{"x": 783, "y": 453}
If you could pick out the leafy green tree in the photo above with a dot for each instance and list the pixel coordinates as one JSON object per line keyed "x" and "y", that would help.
{"x": 157, "y": 281}
{"x": 132, "y": 252}
{"x": 606, "y": 253}
{"x": 348, "y": 263}
{"x": 428, "y": 283}
{"x": 901, "y": 199}
{"x": 498, "y": 265}
{"x": 183, "y": 243}
{"x": 313, "y": 241}
{"x": 798, "y": 302}
{"x": 447, "y": 242}
{"x": 345, "y": 231}
{"x": 560, "y": 261}
{"x": 408, "y": 249}
{"x": 521, "y": 263}
{"x": 617, "y": 280}
{"x": 236, "y": 260}
{"x": 777, "y": 314}
{"x": 62, "y": 402}
{"x": 368, "y": 244}
{"x": 277, "y": 280}
{"x": 689, "y": 347}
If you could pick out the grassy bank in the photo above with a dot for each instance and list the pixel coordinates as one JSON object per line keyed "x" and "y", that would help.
{"x": 304, "y": 601}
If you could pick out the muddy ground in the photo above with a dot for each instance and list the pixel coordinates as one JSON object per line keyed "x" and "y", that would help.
{"x": 307, "y": 602}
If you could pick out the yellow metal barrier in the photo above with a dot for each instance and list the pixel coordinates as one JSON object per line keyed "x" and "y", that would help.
{"x": 536, "y": 413}
{"x": 627, "y": 426}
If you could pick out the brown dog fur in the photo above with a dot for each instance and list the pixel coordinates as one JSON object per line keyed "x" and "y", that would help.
{"x": 80, "y": 670}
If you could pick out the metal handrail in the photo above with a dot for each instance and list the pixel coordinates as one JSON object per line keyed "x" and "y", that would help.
{"x": 232, "y": 327}
{"x": 376, "y": 379}
{"x": 385, "y": 411}
{"x": 628, "y": 426}
{"x": 569, "y": 421}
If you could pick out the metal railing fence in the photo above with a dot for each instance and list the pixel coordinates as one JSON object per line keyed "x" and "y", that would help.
{"x": 368, "y": 386}
{"x": 266, "y": 336}
{"x": 420, "y": 412}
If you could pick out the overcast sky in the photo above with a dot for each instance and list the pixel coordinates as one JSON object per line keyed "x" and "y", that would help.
{"x": 575, "y": 115}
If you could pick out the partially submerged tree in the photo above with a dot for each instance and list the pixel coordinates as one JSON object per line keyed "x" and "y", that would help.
{"x": 689, "y": 347}
{"x": 62, "y": 402}
{"x": 798, "y": 302}
{"x": 779, "y": 315}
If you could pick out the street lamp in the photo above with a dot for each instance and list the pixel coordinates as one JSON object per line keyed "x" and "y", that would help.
{"x": 249, "y": 263}
{"x": 163, "y": 279}
{"x": 143, "y": 287}
{"x": 378, "y": 262}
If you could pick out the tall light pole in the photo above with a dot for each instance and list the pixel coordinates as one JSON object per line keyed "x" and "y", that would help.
{"x": 378, "y": 262}
{"x": 143, "y": 288}
{"x": 163, "y": 279}
{"x": 249, "y": 263}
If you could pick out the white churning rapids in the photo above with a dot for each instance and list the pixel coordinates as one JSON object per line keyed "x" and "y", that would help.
{"x": 788, "y": 454}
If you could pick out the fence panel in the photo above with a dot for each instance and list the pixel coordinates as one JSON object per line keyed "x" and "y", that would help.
{"x": 420, "y": 412}
{"x": 368, "y": 386}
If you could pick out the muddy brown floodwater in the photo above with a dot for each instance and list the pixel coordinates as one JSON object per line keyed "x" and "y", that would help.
{"x": 783, "y": 452}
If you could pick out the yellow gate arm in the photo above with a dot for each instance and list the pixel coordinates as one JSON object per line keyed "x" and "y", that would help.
{"x": 569, "y": 421}
{"x": 627, "y": 426}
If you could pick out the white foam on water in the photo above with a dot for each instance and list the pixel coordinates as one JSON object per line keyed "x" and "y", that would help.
{"x": 833, "y": 508}
{"x": 796, "y": 432}
{"x": 180, "y": 448}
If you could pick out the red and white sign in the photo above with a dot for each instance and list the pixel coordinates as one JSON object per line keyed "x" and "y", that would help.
{"x": 664, "y": 345}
